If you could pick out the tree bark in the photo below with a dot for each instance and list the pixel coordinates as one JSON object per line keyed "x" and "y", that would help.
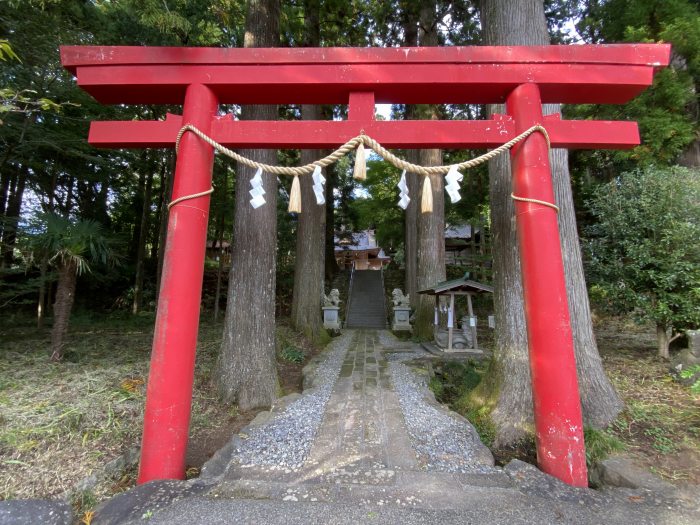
{"x": 430, "y": 254}
{"x": 65, "y": 295}
{"x": 220, "y": 239}
{"x": 8, "y": 184}
{"x": 139, "y": 203}
{"x": 508, "y": 388}
{"x": 166, "y": 189}
{"x": 411, "y": 231}
{"x": 600, "y": 402}
{"x": 5, "y": 177}
{"x": 41, "y": 301}
{"x": 4, "y": 191}
{"x": 409, "y": 12}
{"x": 12, "y": 213}
{"x": 309, "y": 265}
{"x": 662, "y": 340}
{"x": 330, "y": 263}
{"x": 246, "y": 370}
{"x": 141, "y": 250}
{"x": 431, "y": 247}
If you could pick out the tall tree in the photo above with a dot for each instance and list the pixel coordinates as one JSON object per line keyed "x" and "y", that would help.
{"x": 71, "y": 246}
{"x": 523, "y": 23}
{"x": 246, "y": 371}
{"x": 668, "y": 112}
{"x": 142, "y": 237}
{"x": 430, "y": 253}
{"x": 309, "y": 263}
{"x": 644, "y": 257}
{"x": 409, "y": 19}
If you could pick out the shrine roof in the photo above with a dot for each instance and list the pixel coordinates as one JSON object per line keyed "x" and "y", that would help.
{"x": 463, "y": 285}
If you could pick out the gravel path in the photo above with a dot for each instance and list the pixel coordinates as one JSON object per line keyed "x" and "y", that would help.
{"x": 284, "y": 442}
{"x": 445, "y": 443}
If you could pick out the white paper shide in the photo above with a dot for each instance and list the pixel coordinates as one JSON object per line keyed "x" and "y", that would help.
{"x": 257, "y": 190}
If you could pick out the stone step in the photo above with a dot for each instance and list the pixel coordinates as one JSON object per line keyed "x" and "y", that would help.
{"x": 420, "y": 490}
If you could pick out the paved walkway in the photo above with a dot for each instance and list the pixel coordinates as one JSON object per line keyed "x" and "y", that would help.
{"x": 366, "y": 442}
{"x": 363, "y": 429}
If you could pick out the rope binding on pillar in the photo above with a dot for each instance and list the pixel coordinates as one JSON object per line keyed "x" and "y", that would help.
{"x": 359, "y": 143}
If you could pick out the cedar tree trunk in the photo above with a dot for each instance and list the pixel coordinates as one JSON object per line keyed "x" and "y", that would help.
{"x": 309, "y": 263}
{"x": 508, "y": 388}
{"x": 12, "y": 213}
{"x": 430, "y": 260}
{"x": 410, "y": 12}
{"x": 246, "y": 371}
{"x": 141, "y": 250}
{"x": 309, "y": 268}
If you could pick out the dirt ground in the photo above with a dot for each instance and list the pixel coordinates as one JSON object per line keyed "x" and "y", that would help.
{"x": 60, "y": 423}
{"x": 205, "y": 441}
{"x": 661, "y": 422}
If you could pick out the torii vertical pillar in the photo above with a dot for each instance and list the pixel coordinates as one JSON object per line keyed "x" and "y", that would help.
{"x": 557, "y": 406}
{"x": 169, "y": 395}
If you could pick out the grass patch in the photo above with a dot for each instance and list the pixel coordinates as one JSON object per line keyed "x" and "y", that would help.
{"x": 62, "y": 422}
{"x": 452, "y": 383}
{"x": 292, "y": 354}
{"x": 600, "y": 444}
{"x": 660, "y": 426}
{"x": 404, "y": 335}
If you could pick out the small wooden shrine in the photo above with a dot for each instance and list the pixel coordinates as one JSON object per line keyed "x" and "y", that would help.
{"x": 448, "y": 339}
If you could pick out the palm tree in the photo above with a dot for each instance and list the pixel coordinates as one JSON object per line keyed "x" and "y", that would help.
{"x": 70, "y": 246}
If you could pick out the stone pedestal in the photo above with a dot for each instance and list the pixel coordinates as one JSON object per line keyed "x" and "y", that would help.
{"x": 330, "y": 317}
{"x": 687, "y": 358}
{"x": 694, "y": 342}
{"x": 402, "y": 314}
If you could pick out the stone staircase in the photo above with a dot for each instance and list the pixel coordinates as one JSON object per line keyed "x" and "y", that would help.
{"x": 366, "y": 306}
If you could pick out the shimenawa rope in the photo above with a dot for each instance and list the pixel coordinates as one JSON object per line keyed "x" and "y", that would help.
{"x": 350, "y": 145}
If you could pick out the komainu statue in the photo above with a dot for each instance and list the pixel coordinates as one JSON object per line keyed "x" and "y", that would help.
{"x": 399, "y": 299}
{"x": 332, "y": 299}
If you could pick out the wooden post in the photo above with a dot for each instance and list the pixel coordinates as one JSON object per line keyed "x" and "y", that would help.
{"x": 471, "y": 315}
{"x": 450, "y": 326}
{"x": 436, "y": 320}
{"x": 555, "y": 394}
{"x": 169, "y": 393}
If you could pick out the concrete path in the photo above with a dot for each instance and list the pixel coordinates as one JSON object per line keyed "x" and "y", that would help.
{"x": 367, "y": 443}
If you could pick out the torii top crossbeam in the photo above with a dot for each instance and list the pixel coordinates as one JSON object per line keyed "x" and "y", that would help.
{"x": 523, "y": 77}
{"x": 360, "y": 77}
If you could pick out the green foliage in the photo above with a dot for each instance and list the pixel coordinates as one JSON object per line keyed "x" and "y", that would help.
{"x": 642, "y": 251}
{"x": 600, "y": 444}
{"x": 378, "y": 208}
{"x": 688, "y": 373}
{"x": 22, "y": 100}
{"x": 662, "y": 440}
{"x": 6, "y": 52}
{"x": 666, "y": 112}
{"x": 292, "y": 354}
{"x": 81, "y": 242}
{"x": 452, "y": 383}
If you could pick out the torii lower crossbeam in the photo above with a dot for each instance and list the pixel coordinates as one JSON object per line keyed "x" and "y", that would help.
{"x": 522, "y": 77}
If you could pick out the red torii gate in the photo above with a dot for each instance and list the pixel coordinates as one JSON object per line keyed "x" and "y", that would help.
{"x": 522, "y": 77}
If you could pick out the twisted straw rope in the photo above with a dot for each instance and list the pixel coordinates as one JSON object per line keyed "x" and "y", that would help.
{"x": 191, "y": 196}
{"x": 351, "y": 145}
{"x": 535, "y": 201}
